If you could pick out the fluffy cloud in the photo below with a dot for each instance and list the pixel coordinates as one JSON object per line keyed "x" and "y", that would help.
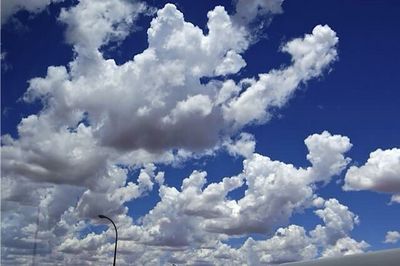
{"x": 101, "y": 120}
{"x": 165, "y": 107}
{"x": 163, "y": 97}
{"x": 294, "y": 243}
{"x": 76, "y": 159}
{"x": 92, "y": 24}
{"x": 287, "y": 244}
{"x": 310, "y": 56}
{"x": 54, "y": 218}
{"x": 275, "y": 190}
{"x": 345, "y": 246}
{"x": 381, "y": 173}
{"x": 326, "y": 154}
{"x": 244, "y": 145}
{"x": 92, "y": 203}
{"x": 198, "y": 213}
{"x": 392, "y": 237}
{"x": 338, "y": 220}
{"x": 189, "y": 224}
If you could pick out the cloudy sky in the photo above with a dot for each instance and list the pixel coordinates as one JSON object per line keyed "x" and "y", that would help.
{"x": 248, "y": 132}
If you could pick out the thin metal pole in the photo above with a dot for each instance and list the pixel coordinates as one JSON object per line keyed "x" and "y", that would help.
{"x": 116, "y": 236}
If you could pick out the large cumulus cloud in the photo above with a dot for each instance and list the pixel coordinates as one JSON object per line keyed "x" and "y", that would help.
{"x": 155, "y": 103}
{"x": 100, "y": 120}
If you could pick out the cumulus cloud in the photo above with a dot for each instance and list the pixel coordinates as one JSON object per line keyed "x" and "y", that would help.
{"x": 392, "y": 237}
{"x": 92, "y": 24}
{"x": 244, "y": 145}
{"x": 76, "y": 160}
{"x": 381, "y": 173}
{"x": 111, "y": 201}
{"x": 310, "y": 56}
{"x": 191, "y": 222}
{"x": 338, "y": 220}
{"x": 326, "y": 154}
{"x": 294, "y": 243}
{"x": 345, "y": 246}
{"x": 101, "y": 120}
{"x": 164, "y": 107}
{"x": 163, "y": 97}
{"x": 288, "y": 244}
{"x": 53, "y": 217}
{"x": 275, "y": 190}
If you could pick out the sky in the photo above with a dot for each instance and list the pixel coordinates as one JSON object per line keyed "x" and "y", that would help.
{"x": 245, "y": 132}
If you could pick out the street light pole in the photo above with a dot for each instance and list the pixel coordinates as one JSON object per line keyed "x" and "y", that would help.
{"x": 116, "y": 235}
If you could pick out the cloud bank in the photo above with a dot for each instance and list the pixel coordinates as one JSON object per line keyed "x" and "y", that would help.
{"x": 101, "y": 120}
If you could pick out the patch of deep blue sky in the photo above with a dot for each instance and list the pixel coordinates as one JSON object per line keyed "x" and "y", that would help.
{"x": 359, "y": 98}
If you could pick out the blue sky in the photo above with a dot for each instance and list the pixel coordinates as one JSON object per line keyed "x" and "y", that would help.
{"x": 354, "y": 94}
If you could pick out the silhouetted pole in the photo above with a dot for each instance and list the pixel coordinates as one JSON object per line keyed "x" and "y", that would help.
{"x": 116, "y": 235}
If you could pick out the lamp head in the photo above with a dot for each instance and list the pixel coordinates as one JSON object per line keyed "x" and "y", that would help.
{"x": 102, "y": 216}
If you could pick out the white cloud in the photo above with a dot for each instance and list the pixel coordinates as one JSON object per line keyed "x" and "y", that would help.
{"x": 92, "y": 202}
{"x": 345, "y": 246}
{"x": 288, "y": 244}
{"x": 310, "y": 56}
{"x": 326, "y": 154}
{"x": 381, "y": 173}
{"x": 100, "y": 120}
{"x": 244, "y": 145}
{"x": 338, "y": 220}
{"x": 90, "y": 242}
{"x": 333, "y": 235}
{"x": 232, "y": 63}
{"x": 395, "y": 198}
{"x": 186, "y": 225}
{"x": 92, "y": 24}
{"x": 228, "y": 90}
{"x": 274, "y": 191}
{"x": 11, "y": 7}
{"x": 294, "y": 243}
{"x": 247, "y": 11}
{"x": 55, "y": 218}
{"x": 164, "y": 106}
{"x": 392, "y": 237}
{"x": 161, "y": 86}
{"x": 198, "y": 215}
{"x": 77, "y": 160}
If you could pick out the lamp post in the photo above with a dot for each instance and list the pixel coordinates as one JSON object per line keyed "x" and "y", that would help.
{"x": 116, "y": 235}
